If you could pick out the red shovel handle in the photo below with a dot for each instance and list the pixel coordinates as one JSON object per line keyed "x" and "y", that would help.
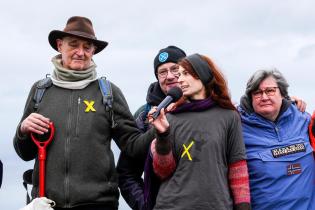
{"x": 42, "y": 177}
{"x": 42, "y": 144}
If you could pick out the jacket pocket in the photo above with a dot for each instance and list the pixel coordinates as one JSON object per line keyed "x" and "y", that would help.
{"x": 281, "y": 170}
{"x": 276, "y": 162}
{"x": 286, "y": 153}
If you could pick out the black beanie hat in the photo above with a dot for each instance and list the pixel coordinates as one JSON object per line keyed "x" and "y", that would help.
{"x": 168, "y": 54}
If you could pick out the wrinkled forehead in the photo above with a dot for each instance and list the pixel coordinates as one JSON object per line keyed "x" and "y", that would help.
{"x": 74, "y": 39}
{"x": 166, "y": 66}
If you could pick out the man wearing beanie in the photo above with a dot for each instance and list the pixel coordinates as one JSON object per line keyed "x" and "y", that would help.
{"x": 141, "y": 194}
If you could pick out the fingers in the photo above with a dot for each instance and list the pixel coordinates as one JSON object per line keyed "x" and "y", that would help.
{"x": 170, "y": 107}
{"x": 162, "y": 112}
{"x": 160, "y": 123}
{"x": 35, "y": 123}
{"x": 150, "y": 114}
{"x": 301, "y": 105}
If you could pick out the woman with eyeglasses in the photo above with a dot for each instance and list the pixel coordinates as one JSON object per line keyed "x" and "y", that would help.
{"x": 199, "y": 153}
{"x": 279, "y": 155}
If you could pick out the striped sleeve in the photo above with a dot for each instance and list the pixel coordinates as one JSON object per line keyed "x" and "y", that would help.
{"x": 239, "y": 184}
{"x": 163, "y": 164}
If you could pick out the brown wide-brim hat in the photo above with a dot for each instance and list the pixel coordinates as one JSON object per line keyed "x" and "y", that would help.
{"x": 79, "y": 27}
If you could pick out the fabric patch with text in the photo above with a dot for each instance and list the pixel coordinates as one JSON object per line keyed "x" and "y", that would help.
{"x": 288, "y": 150}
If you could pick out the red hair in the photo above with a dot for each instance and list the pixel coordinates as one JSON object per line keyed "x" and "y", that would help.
{"x": 217, "y": 88}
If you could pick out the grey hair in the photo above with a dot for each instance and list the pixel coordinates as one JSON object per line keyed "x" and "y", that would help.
{"x": 260, "y": 75}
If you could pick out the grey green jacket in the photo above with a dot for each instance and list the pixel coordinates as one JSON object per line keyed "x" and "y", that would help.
{"x": 80, "y": 166}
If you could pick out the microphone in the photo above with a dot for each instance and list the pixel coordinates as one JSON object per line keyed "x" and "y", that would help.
{"x": 173, "y": 95}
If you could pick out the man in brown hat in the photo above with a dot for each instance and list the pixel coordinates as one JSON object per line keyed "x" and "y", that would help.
{"x": 80, "y": 169}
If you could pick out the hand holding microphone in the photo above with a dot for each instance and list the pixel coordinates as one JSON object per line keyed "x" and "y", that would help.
{"x": 157, "y": 115}
{"x": 173, "y": 95}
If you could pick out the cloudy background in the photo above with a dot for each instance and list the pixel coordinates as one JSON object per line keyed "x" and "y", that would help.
{"x": 240, "y": 36}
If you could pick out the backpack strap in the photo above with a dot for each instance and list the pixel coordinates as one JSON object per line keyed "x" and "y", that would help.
{"x": 108, "y": 99}
{"x": 41, "y": 86}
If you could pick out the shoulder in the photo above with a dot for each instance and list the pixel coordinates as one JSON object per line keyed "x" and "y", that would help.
{"x": 216, "y": 113}
{"x": 229, "y": 119}
{"x": 225, "y": 113}
{"x": 40, "y": 84}
{"x": 293, "y": 110}
{"x": 116, "y": 92}
{"x": 114, "y": 87}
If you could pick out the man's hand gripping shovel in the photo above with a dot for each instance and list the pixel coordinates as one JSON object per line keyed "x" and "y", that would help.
{"x": 42, "y": 142}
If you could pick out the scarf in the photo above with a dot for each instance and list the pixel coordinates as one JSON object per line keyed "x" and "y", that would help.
{"x": 194, "y": 106}
{"x": 72, "y": 79}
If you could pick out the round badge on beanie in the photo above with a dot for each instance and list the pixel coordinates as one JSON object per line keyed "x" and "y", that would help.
{"x": 163, "y": 57}
{"x": 166, "y": 55}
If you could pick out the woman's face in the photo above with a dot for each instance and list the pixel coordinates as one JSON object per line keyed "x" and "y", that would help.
{"x": 192, "y": 88}
{"x": 267, "y": 100}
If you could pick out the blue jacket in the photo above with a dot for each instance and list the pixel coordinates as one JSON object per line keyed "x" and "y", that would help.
{"x": 280, "y": 161}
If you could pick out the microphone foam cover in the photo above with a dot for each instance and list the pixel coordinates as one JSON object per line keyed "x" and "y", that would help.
{"x": 176, "y": 93}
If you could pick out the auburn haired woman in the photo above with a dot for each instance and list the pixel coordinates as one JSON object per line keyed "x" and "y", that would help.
{"x": 199, "y": 151}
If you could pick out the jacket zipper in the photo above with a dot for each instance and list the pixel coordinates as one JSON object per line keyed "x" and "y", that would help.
{"x": 78, "y": 118}
{"x": 67, "y": 152}
{"x": 277, "y": 132}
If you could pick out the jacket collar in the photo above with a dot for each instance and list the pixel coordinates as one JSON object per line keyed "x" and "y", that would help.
{"x": 155, "y": 94}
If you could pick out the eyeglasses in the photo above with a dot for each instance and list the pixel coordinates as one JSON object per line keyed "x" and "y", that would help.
{"x": 162, "y": 73}
{"x": 269, "y": 91}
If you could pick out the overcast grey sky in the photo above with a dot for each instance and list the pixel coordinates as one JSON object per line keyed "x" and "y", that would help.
{"x": 240, "y": 36}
